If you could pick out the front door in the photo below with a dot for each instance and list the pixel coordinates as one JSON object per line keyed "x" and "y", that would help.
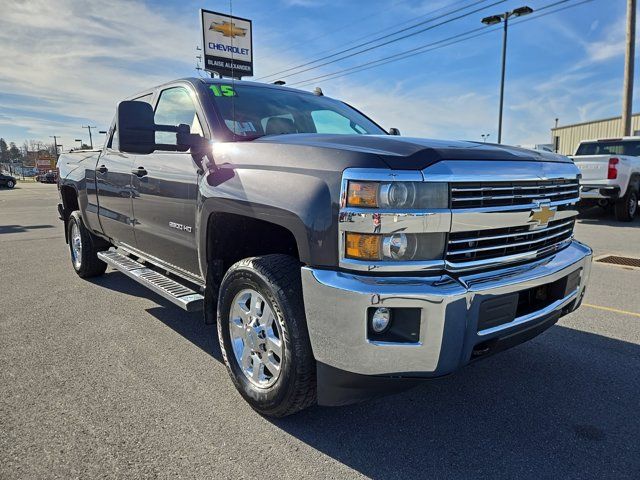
{"x": 166, "y": 188}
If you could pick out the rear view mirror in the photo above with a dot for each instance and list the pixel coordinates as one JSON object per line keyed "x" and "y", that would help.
{"x": 394, "y": 131}
{"x": 135, "y": 127}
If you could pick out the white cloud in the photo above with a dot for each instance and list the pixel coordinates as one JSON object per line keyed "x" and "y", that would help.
{"x": 80, "y": 57}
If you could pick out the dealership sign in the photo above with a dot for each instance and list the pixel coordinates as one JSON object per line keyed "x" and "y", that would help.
{"x": 227, "y": 44}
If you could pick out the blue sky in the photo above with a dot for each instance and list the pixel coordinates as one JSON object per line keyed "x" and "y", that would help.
{"x": 66, "y": 63}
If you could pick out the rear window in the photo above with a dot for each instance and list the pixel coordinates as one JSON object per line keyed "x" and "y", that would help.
{"x": 613, "y": 147}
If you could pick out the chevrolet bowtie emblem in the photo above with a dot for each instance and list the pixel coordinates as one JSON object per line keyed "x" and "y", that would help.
{"x": 542, "y": 215}
{"x": 228, "y": 29}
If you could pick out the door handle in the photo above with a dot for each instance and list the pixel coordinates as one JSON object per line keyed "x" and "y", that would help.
{"x": 139, "y": 172}
{"x": 102, "y": 169}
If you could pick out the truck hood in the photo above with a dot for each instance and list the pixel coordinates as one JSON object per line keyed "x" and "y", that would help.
{"x": 405, "y": 153}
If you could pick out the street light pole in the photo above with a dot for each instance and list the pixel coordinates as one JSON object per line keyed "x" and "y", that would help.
{"x": 493, "y": 20}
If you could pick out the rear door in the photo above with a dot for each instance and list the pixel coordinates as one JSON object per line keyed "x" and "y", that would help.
{"x": 114, "y": 187}
{"x": 166, "y": 186}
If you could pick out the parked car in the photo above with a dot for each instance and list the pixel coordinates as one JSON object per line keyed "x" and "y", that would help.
{"x": 49, "y": 177}
{"x": 7, "y": 180}
{"x": 339, "y": 261}
{"x": 610, "y": 171}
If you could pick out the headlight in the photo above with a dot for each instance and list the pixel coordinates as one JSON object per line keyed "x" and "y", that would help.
{"x": 401, "y": 247}
{"x": 399, "y": 195}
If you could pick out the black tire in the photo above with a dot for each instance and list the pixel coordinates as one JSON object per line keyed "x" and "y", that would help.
{"x": 627, "y": 207}
{"x": 86, "y": 264}
{"x": 277, "y": 279}
{"x": 11, "y": 184}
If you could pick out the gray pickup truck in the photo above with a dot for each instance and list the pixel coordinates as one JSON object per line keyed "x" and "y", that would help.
{"x": 339, "y": 261}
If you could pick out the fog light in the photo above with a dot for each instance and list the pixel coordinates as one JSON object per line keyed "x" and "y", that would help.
{"x": 381, "y": 319}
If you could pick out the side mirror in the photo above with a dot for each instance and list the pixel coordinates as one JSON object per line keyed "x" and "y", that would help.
{"x": 137, "y": 130}
{"x": 135, "y": 127}
{"x": 394, "y": 131}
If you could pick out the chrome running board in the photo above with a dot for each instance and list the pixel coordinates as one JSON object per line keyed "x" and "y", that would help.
{"x": 175, "y": 292}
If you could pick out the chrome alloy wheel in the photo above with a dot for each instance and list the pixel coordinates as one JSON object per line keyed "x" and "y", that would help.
{"x": 633, "y": 205}
{"x": 256, "y": 338}
{"x": 76, "y": 246}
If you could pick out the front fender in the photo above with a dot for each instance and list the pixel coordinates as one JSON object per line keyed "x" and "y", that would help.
{"x": 298, "y": 200}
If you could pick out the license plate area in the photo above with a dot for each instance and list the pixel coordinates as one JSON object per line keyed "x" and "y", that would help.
{"x": 504, "y": 309}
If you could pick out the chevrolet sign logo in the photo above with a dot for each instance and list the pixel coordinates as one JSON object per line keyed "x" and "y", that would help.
{"x": 228, "y": 29}
{"x": 542, "y": 215}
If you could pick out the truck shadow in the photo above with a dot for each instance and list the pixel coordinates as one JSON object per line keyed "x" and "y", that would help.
{"x": 190, "y": 325}
{"x": 562, "y": 406}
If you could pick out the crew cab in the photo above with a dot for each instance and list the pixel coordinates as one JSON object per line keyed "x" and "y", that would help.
{"x": 338, "y": 261}
{"x": 610, "y": 171}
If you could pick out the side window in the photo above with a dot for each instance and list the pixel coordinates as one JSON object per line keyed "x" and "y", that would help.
{"x": 175, "y": 107}
{"x": 329, "y": 121}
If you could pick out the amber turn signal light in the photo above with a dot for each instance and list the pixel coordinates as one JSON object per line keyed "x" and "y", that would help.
{"x": 363, "y": 247}
{"x": 362, "y": 194}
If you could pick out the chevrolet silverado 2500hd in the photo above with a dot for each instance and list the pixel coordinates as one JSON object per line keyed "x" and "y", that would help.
{"x": 339, "y": 261}
{"x": 610, "y": 174}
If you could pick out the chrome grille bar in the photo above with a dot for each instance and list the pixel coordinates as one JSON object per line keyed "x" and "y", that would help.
{"x": 517, "y": 244}
{"x": 487, "y": 194}
{"x": 469, "y": 249}
{"x": 572, "y": 185}
{"x": 510, "y": 235}
{"x": 575, "y": 192}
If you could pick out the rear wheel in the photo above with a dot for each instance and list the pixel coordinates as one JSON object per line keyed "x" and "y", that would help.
{"x": 263, "y": 335}
{"x": 10, "y": 184}
{"x": 83, "y": 248}
{"x": 627, "y": 207}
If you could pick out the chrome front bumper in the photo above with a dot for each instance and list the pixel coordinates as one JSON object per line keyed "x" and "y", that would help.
{"x": 336, "y": 306}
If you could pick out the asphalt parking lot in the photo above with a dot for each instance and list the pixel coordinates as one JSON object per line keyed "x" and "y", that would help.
{"x": 104, "y": 379}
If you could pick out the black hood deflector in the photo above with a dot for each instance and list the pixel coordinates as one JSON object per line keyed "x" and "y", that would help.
{"x": 405, "y": 153}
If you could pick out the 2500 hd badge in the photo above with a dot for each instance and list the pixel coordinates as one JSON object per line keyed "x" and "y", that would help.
{"x": 338, "y": 261}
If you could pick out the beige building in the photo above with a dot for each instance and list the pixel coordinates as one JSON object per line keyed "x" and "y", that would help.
{"x": 567, "y": 137}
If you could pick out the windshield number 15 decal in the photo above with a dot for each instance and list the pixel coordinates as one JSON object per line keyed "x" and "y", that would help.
{"x": 222, "y": 90}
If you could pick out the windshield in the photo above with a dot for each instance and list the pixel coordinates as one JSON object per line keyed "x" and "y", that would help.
{"x": 252, "y": 111}
{"x": 612, "y": 147}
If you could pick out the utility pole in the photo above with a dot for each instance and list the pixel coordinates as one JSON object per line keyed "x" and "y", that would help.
{"x": 90, "y": 138}
{"x": 627, "y": 89}
{"x": 55, "y": 142}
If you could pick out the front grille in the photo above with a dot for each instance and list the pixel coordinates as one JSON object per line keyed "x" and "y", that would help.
{"x": 499, "y": 194}
{"x": 501, "y": 242}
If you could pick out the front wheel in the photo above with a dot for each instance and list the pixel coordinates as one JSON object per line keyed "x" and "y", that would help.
{"x": 263, "y": 335}
{"x": 82, "y": 246}
{"x": 627, "y": 207}
{"x": 10, "y": 184}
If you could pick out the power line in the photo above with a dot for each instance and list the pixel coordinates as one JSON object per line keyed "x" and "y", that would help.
{"x": 362, "y": 37}
{"x": 390, "y": 27}
{"x": 373, "y": 47}
{"x": 454, "y": 39}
